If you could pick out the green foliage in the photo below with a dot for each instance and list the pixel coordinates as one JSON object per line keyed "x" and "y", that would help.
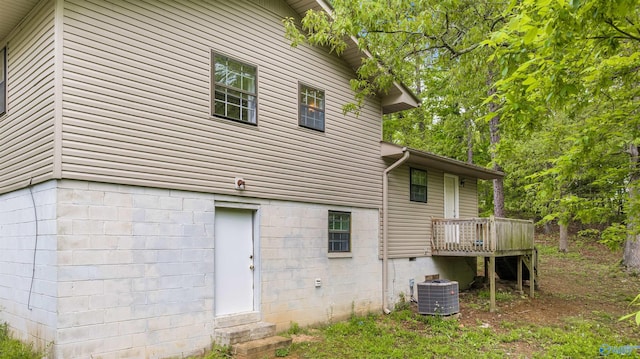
{"x": 14, "y": 349}
{"x": 405, "y": 334}
{"x": 501, "y": 296}
{"x": 282, "y": 352}
{"x": 562, "y": 77}
{"x": 294, "y": 328}
{"x": 636, "y": 315}
{"x": 403, "y": 303}
{"x": 426, "y": 45}
{"x": 219, "y": 352}
{"x": 614, "y": 236}
{"x": 588, "y": 99}
{"x": 548, "y": 250}
{"x": 589, "y": 234}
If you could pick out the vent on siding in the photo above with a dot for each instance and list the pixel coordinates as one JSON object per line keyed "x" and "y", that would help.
{"x": 438, "y": 297}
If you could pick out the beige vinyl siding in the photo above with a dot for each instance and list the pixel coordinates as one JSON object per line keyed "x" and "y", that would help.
{"x": 26, "y": 130}
{"x": 469, "y": 198}
{"x": 136, "y": 105}
{"x": 410, "y": 222}
{"x": 409, "y": 232}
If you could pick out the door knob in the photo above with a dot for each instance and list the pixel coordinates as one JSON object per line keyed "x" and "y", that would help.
{"x": 251, "y": 267}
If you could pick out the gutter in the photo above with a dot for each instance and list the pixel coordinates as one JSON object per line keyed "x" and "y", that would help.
{"x": 385, "y": 228}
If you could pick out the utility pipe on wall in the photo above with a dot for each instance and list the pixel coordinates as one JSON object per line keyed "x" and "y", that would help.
{"x": 385, "y": 228}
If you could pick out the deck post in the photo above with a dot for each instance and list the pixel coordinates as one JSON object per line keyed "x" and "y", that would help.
{"x": 519, "y": 285}
{"x": 492, "y": 284}
{"x": 532, "y": 275}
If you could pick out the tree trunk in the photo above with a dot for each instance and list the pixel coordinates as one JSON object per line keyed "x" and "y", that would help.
{"x": 498, "y": 185}
{"x": 494, "y": 126}
{"x": 631, "y": 256}
{"x": 498, "y": 195}
{"x": 564, "y": 238}
{"x": 469, "y": 141}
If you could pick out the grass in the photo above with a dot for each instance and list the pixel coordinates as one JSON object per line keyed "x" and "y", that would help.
{"x": 405, "y": 334}
{"x": 501, "y": 296}
{"x": 219, "y": 352}
{"x": 11, "y": 348}
{"x": 597, "y": 284}
{"x": 575, "y": 315}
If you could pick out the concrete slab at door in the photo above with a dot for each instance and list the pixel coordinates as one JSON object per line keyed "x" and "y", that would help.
{"x": 234, "y": 271}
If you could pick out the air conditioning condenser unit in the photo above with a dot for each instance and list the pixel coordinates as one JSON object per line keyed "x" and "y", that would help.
{"x": 438, "y": 297}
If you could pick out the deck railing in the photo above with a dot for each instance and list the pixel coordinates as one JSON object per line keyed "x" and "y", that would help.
{"x": 481, "y": 235}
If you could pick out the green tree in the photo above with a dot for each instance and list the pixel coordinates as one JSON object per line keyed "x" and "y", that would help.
{"x": 581, "y": 59}
{"x": 432, "y": 45}
{"x": 546, "y": 89}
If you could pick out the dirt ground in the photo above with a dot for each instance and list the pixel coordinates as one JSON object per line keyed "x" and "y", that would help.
{"x": 586, "y": 282}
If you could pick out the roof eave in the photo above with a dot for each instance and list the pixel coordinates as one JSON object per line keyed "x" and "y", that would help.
{"x": 11, "y": 14}
{"x": 398, "y": 97}
{"x": 431, "y": 160}
{"x": 399, "y": 100}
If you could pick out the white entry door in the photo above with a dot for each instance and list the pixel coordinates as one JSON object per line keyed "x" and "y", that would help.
{"x": 233, "y": 266}
{"x": 451, "y": 207}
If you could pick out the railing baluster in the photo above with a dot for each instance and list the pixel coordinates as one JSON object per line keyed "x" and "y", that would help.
{"x": 482, "y": 235}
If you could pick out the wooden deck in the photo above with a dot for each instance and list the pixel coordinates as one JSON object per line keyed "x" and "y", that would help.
{"x": 489, "y": 238}
{"x": 475, "y": 237}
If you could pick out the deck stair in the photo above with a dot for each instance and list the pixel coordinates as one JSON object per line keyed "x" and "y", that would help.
{"x": 251, "y": 341}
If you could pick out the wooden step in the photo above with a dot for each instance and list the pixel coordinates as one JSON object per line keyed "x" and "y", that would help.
{"x": 260, "y": 348}
{"x": 244, "y": 333}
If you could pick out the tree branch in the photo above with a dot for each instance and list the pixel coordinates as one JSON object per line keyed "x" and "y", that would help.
{"x": 632, "y": 23}
{"x": 426, "y": 49}
{"x": 606, "y": 37}
{"x": 392, "y": 32}
{"x": 628, "y": 35}
{"x": 496, "y": 21}
{"x": 442, "y": 38}
{"x": 463, "y": 51}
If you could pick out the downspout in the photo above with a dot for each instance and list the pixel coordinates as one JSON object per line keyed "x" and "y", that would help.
{"x": 385, "y": 228}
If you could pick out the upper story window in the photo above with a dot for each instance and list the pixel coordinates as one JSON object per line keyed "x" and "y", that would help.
{"x": 418, "y": 187}
{"x": 234, "y": 87}
{"x": 339, "y": 231}
{"x": 311, "y": 108}
{"x": 3, "y": 81}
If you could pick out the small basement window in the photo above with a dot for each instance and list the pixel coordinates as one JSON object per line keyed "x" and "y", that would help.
{"x": 339, "y": 231}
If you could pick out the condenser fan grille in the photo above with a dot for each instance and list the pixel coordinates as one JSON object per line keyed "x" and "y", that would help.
{"x": 438, "y": 297}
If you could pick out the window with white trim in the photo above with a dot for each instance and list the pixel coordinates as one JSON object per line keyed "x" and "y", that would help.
{"x": 311, "y": 113}
{"x": 234, "y": 90}
{"x": 3, "y": 81}
{"x": 418, "y": 185}
{"x": 339, "y": 232}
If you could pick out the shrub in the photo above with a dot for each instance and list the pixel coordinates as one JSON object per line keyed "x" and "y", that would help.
{"x": 11, "y": 348}
{"x": 614, "y": 236}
